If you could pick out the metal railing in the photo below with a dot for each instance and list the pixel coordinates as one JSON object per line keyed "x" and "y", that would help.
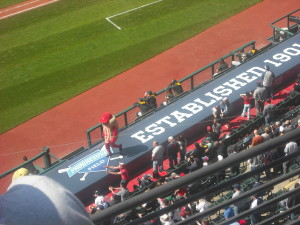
{"x": 191, "y": 82}
{"x": 286, "y": 26}
{"x": 155, "y": 193}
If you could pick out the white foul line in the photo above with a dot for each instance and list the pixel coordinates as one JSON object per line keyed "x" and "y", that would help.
{"x": 3, "y": 17}
{"x": 108, "y": 18}
{"x": 18, "y": 6}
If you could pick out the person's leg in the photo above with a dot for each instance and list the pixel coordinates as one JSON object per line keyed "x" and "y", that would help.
{"x": 248, "y": 111}
{"x": 155, "y": 166}
{"x": 257, "y": 108}
{"x": 244, "y": 111}
{"x": 171, "y": 162}
{"x": 107, "y": 146}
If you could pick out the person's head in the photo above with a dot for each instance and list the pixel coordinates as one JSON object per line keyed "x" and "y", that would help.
{"x": 236, "y": 187}
{"x": 96, "y": 193}
{"x": 209, "y": 129}
{"x": 255, "y": 132}
{"x": 196, "y": 144}
{"x": 170, "y": 139}
{"x": 20, "y": 173}
{"x": 173, "y": 82}
{"x": 25, "y": 158}
{"x": 105, "y": 117}
{"x": 121, "y": 165}
{"x": 181, "y": 138}
{"x": 248, "y": 94}
{"x": 277, "y": 124}
{"x": 267, "y": 67}
{"x": 155, "y": 143}
{"x": 267, "y": 130}
{"x": 169, "y": 91}
{"x": 269, "y": 101}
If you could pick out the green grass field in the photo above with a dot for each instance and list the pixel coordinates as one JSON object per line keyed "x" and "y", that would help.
{"x": 53, "y": 53}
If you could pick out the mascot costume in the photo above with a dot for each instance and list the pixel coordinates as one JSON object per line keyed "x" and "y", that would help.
{"x": 110, "y": 131}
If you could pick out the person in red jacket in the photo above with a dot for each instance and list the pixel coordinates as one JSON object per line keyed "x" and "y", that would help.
{"x": 110, "y": 131}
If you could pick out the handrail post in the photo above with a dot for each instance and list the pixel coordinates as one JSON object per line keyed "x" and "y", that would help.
{"x": 212, "y": 71}
{"x": 125, "y": 119}
{"x": 47, "y": 161}
{"x": 192, "y": 82}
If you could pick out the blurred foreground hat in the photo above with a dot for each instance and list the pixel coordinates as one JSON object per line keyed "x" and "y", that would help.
{"x": 20, "y": 173}
{"x": 105, "y": 117}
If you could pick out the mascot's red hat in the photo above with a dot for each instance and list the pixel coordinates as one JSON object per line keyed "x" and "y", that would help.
{"x": 105, "y": 117}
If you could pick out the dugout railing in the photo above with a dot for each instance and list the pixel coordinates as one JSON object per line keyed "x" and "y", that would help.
{"x": 163, "y": 190}
{"x": 191, "y": 82}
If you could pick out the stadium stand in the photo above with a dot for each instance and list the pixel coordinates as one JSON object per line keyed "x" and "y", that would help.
{"x": 181, "y": 190}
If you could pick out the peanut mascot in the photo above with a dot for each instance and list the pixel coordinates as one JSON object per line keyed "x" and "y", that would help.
{"x": 110, "y": 131}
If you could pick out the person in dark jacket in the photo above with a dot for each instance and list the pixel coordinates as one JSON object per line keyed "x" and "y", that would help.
{"x": 172, "y": 151}
{"x": 150, "y": 99}
{"x": 142, "y": 104}
{"x": 176, "y": 87}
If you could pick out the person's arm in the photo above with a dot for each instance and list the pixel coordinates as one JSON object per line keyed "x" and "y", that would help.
{"x": 114, "y": 173}
{"x": 111, "y": 167}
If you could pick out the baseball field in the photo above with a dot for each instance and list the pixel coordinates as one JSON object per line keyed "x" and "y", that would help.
{"x": 51, "y": 54}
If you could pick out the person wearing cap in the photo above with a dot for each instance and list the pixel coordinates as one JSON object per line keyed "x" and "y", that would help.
{"x": 260, "y": 96}
{"x": 267, "y": 81}
{"x": 20, "y": 173}
{"x": 268, "y": 112}
{"x": 150, "y": 99}
{"x": 172, "y": 151}
{"x": 100, "y": 201}
{"x": 144, "y": 107}
{"x": 110, "y": 131}
{"x": 176, "y": 87}
{"x": 122, "y": 171}
{"x": 223, "y": 66}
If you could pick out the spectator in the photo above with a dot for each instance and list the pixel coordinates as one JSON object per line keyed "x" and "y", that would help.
{"x": 157, "y": 158}
{"x": 252, "y": 52}
{"x": 224, "y": 107}
{"x": 172, "y": 149}
{"x": 228, "y": 213}
{"x": 122, "y": 171}
{"x": 297, "y": 86}
{"x": 216, "y": 112}
{"x": 257, "y": 139}
{"x": 100, "y": 201}
{"x": 110, "y": 131}
{"x": 170, "y": 96}
{"x": 268, "y": 78}
{"x": 275, "y": 128}
{"x": 123, "y": 191}
{"x": 182, "y": 147}
{"x": 255, "y": 217}
{"x": 197, "y": 152}
{"x": 290, "y": 148}
{"x": 176, "y": 87}
{"x": 238, "y": 206}
{"x": 268, "y": 112}
{"x": 194, "y": 164}
{"x": 247, "y": 104}
{"x": 241, "y": 57}
{"x": 142, "y": 104}
{"x": 259, "y": 95}
{"x": 211, "y": 134}
{"x": 150, "y": 99}
{"x": 31, "y": 168}
{"x": 223, "y": 66}
{"x": 202, "y": 205}
{"x": 293, "y": 201}
{"x": 36, "y": 200}
{"x": 217, "y": 128}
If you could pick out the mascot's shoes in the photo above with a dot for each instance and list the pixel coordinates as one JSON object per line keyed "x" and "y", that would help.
{"x": 121, "y": 147}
